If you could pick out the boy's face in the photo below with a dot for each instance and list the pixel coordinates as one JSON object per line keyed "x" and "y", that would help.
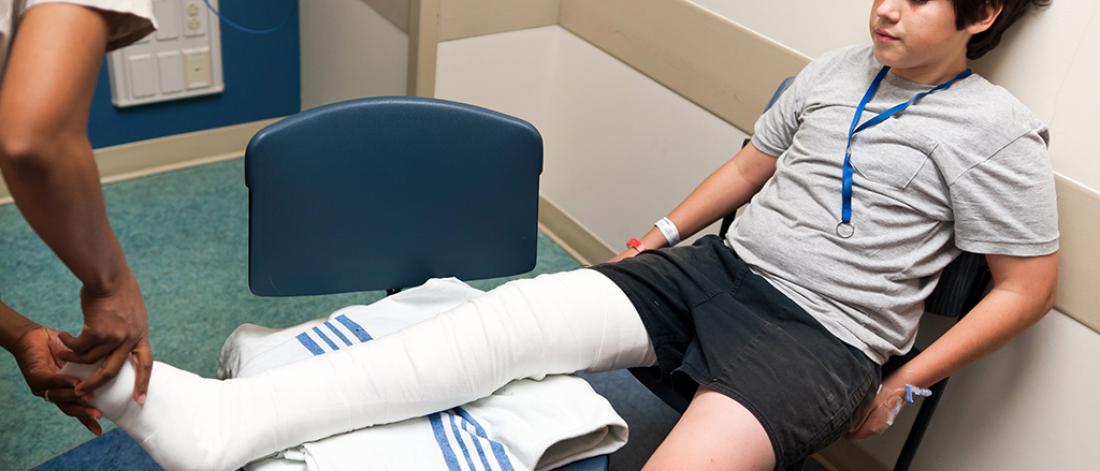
{"x": 914, "y": 34}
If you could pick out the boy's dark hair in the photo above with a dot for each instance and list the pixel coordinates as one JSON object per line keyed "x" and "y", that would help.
{"x": 971, "y": 11}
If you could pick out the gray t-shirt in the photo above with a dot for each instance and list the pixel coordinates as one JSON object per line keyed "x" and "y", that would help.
{"x": 964, "y": 168}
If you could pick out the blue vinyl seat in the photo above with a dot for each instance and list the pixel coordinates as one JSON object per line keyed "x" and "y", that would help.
{"x": 962, "y": 285}
{"x": 385, "y": 193}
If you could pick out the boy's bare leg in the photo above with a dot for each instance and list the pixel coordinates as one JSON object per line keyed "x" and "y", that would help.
{"x": 715, "y": 433}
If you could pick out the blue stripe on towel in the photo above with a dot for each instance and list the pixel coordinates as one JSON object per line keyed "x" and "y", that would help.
{"x": 310, "y": 344}
{"x": 444, "y": 445}
{"x": 336, "y": 331}
{"x": 356, "y": 329}
{"x": 461, "y": 442}
{"x": 498, "y": 449}
{"x": 477, "y": 443}
{"x": 326, "y": 339}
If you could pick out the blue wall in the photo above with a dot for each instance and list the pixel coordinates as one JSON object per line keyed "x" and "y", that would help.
{"x": 261, "y": 74}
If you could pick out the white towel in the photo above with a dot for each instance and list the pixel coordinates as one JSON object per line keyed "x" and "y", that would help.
{"x": 525, "y": 425}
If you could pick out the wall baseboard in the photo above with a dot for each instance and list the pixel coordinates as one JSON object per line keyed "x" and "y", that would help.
{"x": 571, "y": 235}
{"x": 165, "y": 154}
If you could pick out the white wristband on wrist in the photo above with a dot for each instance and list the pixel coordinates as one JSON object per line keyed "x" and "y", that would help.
{"x": 668, "y": 229}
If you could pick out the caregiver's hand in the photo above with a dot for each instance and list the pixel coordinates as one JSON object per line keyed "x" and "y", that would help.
{"x": 36, "y": 353}
{"x": 115, "y": 327}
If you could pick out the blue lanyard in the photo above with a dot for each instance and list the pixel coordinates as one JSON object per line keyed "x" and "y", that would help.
{"x": 844, "y": 228}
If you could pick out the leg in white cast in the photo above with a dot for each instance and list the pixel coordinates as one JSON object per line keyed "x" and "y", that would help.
{"x": 525, "y": 329}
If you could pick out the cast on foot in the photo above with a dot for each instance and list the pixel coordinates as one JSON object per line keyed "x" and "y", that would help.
{"x": 187, "y": 422}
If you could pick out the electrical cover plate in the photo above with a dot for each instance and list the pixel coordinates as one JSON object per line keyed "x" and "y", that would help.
{"x": 181, "y": 60}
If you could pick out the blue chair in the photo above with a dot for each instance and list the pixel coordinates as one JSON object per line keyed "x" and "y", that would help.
{"x": 385, "y": 193}
{"x": 962, "y": 285}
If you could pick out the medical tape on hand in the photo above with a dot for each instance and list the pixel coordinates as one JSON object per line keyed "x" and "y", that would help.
{"x": 910, "y": 390}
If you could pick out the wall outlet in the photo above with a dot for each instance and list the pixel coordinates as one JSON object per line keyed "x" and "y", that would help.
{"x": 196, "y": 63}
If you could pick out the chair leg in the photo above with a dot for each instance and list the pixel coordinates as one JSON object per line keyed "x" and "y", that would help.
{"x": 924, "y": 417}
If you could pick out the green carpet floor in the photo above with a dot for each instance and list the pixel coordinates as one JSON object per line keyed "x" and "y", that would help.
{"x": 185, "y": 235}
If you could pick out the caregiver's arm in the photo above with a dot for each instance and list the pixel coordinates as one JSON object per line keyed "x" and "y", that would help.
{"x": 729, "y": 187}
{"x": 13, "y": 326}
{"x": 47, "y": 162}
{"x": 1023, "y": 291}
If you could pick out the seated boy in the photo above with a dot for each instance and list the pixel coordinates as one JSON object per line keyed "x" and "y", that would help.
{"x": 858, "y": 206}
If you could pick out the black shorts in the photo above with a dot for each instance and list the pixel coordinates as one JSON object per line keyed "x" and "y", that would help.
{"x": 715, "y": 323}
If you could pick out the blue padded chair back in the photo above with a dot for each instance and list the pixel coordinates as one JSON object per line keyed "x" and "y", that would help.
{"x": 383, "y": 193}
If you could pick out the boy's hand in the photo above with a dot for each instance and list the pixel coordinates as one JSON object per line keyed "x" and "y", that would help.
{"x": 115, "y": 326}
{"x": 625, "y": 254}
{"x": 879, "y": 415}
{"x": 36, "y": 352}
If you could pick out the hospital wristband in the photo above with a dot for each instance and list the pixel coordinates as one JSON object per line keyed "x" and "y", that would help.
{"x": 668, "y": 229}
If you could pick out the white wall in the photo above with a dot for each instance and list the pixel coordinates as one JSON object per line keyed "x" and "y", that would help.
{"x": 509, "y": 72}
{"x": 807, "y": 26}
{"x": 621, "y": 150}
{"x": 348, "y": 51}
{"x": 1052, "y": 62}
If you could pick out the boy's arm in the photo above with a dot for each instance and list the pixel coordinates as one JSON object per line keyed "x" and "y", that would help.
{"x": 729, "y": 187}
{"x": 1023, "y": 291}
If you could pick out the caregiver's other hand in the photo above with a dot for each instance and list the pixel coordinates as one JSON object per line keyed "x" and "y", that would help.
{"x": 36, "y": 352}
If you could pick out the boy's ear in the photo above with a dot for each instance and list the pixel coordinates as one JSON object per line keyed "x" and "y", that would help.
{"x": 984, "y": 23}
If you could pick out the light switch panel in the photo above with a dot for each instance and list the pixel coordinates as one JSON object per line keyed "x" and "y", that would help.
{"x": 182, "y": 59}
{"x": 143, "y": 75}
{"x": 171, "y": 71}
{"x": 167, "y": 13}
